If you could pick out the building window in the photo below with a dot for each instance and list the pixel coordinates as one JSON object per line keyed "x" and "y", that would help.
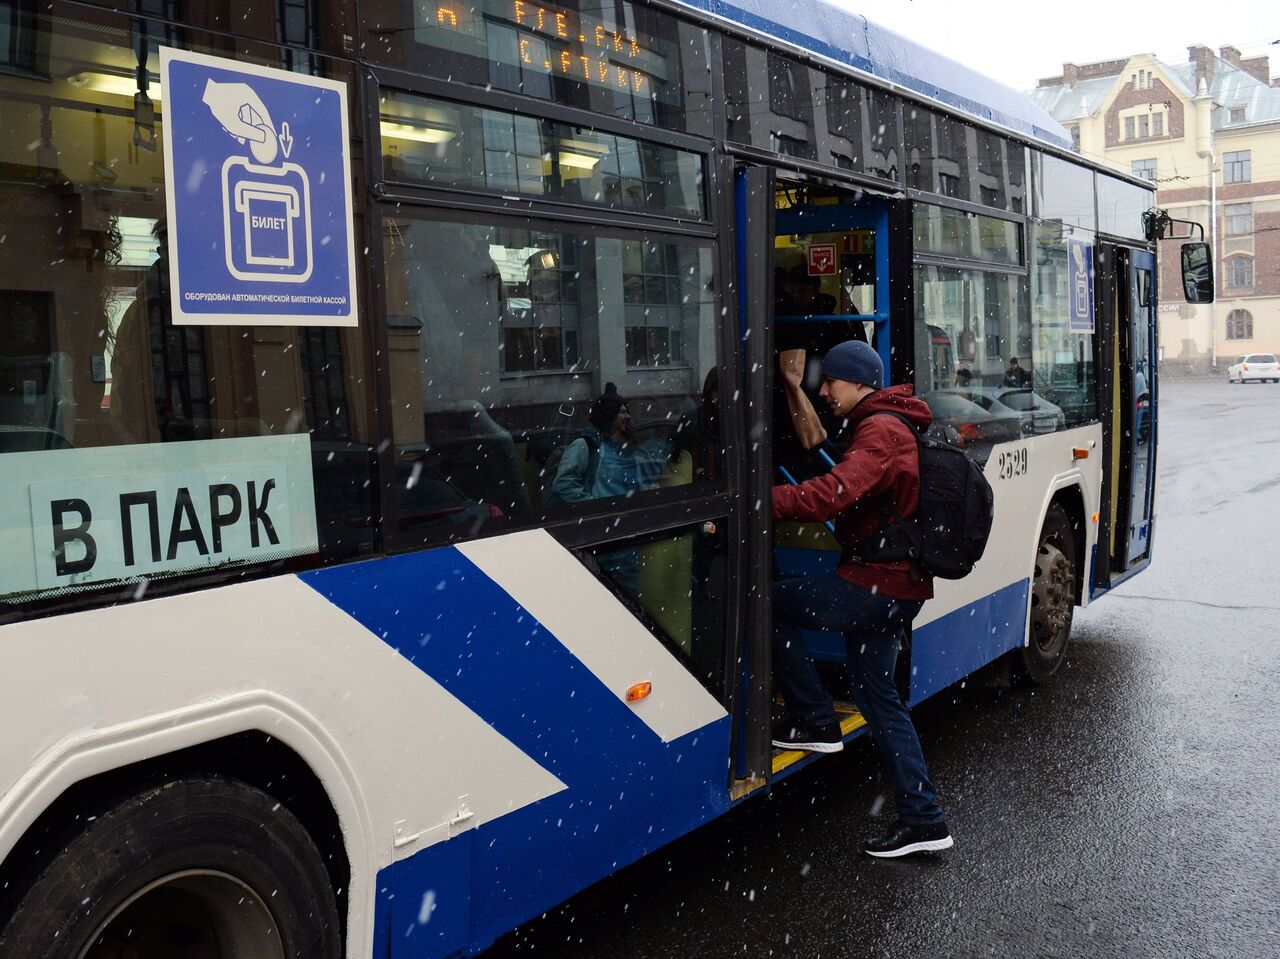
{"x": 1157, "y": 125}
{"x": 788, "y": 88}
{"x": 18, "y": 35}
{"x": 295, "y": 26}
{"x": 1240, "y": 271}
{"x": 1144, "y": 168}
{"x": 1236, "y": 167}
{"x": 540, "y": 322}
{"x": 1239, "y": 218}
{"x": 1237, "y": 115}
{"x": 652, "y": 294}
{"x": 1144, "y": 127}
{"x": 1239, "y": 325}
{"x": 1129, "y": 128}
{"x": 1075, "y": 137}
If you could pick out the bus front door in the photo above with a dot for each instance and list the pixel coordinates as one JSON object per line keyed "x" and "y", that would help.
{"x": 1132, "y": 414}
{"x": 1140, "y": 373}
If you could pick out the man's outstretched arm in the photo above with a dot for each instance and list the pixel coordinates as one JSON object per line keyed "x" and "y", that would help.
{"x": 804, "y": 418}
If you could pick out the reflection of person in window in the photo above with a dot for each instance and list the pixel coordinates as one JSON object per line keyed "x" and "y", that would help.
{"x": 702, "y": 430}
{"x": 964, "y": 378}
{"x": 1015, "y": 375}
{"x": 150, "y": 398}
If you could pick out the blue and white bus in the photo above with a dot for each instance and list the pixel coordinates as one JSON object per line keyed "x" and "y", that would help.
{"x": 367, "y": 635}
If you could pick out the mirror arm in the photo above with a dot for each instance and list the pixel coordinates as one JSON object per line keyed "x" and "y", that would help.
{"x": 1158, "y": 225}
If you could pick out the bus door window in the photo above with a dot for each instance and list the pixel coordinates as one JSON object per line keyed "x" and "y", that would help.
{"x": 675, "y": 583}
{"x": 1141, "y": 323}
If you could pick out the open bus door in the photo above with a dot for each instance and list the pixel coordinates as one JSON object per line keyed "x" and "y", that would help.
{"x": 1140, "y": 377}
{"x": 813, "y": 269}
{"x": 1128, "y": 281}
{"x": 753, "y": 215}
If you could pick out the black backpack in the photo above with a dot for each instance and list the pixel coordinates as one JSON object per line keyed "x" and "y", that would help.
{"x": 551, "y": 466}
{"x": 948, "y": 534}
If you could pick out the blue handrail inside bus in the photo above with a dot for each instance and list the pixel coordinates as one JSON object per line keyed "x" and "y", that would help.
{"x": 790, "y": 478}
{"x": 841, "y": 217}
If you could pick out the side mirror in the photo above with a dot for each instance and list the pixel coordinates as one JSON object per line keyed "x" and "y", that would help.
{"x": 1197, "y": 273}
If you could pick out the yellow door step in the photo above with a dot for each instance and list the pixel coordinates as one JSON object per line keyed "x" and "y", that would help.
{"x": 850, "y": 719}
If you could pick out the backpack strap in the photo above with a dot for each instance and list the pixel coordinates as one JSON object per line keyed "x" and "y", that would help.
{"x": 593, "y": 460}
{"x": 891, "y": 517}
{"x": 889, "y": 508}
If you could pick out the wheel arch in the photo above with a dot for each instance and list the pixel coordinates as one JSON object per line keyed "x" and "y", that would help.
{"x": 1071, "y": 499}
{"x": 259, "y": 743}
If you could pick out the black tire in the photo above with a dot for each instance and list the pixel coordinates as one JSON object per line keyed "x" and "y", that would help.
{"x": 1053, "y": 599}
{"x": 199, "y": 868}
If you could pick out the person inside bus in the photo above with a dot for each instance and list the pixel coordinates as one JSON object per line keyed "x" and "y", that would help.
{"x": 808, "y": 298}
{"x": 699, "y": 430}
{"x": 608, "y": 460}
{"x": 783, "y": 302}
{"x": 871, "y": 603}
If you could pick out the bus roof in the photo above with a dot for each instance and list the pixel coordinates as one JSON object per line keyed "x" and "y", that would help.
{"x": 847, "y": 38}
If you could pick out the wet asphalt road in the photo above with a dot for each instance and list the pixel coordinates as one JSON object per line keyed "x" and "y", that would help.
{"x": 1129, "y": 809}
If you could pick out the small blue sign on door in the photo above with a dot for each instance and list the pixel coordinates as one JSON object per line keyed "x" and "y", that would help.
{"x": 1080, "y": 288}
{"x": 258, "y": 176}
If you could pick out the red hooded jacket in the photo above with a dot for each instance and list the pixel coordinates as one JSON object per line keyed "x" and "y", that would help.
{"x": 882, "y": 458}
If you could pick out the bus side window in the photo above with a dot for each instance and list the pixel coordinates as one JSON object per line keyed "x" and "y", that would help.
{"x": 514, "y": 353}
{"x": 98, "y": 384}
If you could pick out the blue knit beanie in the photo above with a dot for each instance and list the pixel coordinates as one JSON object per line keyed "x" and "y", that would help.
{"x": 854, "y": 362}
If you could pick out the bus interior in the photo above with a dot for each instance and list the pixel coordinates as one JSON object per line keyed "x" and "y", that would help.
{"x": 830, "y": 284}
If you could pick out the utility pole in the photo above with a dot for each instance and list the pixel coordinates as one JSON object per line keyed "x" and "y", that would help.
{"x": 1213, "y": 249}
{"x": 1207, "y": 149}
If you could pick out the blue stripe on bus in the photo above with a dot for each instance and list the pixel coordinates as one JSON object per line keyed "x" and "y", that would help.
{"x": 950, "y": 648}
{"x": 628, "y": 792}
{"x": 944, "y": 651}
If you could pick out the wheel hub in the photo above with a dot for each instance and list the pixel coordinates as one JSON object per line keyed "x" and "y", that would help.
{"x": 194, "y": 914}
{"x": 1053, "y": 595}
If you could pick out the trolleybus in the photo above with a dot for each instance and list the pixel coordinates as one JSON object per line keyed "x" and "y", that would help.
{"x": 313, "y": 641}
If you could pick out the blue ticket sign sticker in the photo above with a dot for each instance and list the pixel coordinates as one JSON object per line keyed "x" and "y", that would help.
{"x": 258, "y": 175}
{"x": 75, "y": 518}
{"x": 1080, "y": 286}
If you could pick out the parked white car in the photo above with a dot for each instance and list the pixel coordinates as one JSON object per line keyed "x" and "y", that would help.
{"x": 1256, "y": 366}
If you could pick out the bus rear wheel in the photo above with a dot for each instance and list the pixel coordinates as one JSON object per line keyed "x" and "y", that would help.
{"x": 199, "y": 868}
{"x": 1053, "y": 598}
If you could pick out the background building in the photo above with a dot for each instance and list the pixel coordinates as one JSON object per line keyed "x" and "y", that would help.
{"x": 1208, "y": 133}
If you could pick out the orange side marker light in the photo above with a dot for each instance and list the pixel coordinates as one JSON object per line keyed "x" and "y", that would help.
{"x": 1096, "y": 517}
{"x": 1079, "y": 453}
{"x": 638, "y": 691}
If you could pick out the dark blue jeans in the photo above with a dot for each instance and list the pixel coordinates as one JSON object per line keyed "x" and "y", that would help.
{"x": 871, "y": 625}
